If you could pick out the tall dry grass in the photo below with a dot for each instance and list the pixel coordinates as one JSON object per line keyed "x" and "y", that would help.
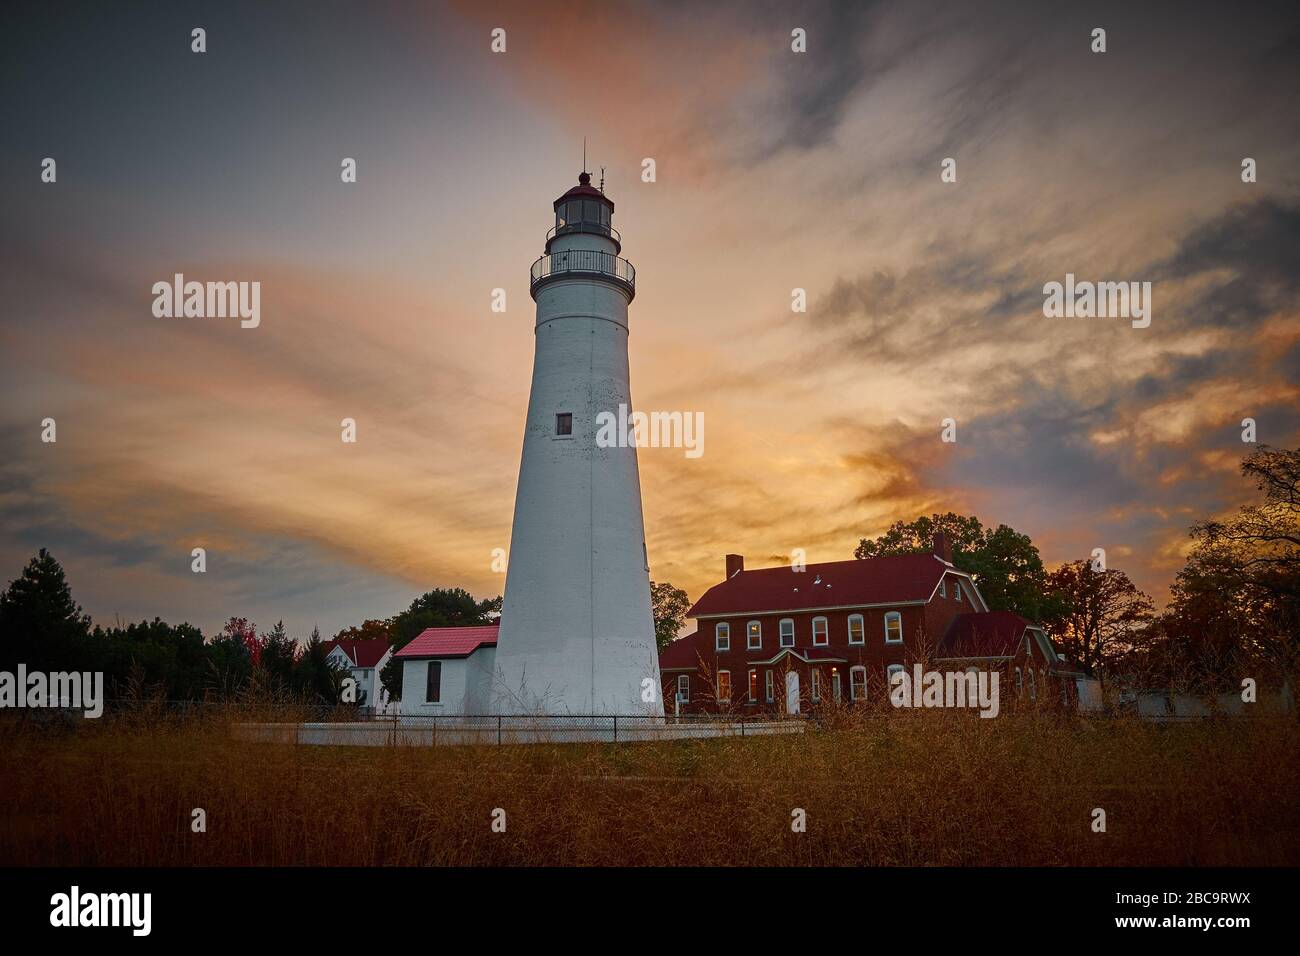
{"x": 925, "y": 788}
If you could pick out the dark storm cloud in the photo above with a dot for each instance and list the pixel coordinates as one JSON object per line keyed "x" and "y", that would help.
{"x": 1258, "y": 244}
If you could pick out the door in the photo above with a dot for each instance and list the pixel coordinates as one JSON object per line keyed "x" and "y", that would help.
{"x": 792, "y": 692}
{"x": 835, "y": 685}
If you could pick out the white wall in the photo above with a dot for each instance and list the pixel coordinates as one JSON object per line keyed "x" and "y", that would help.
{"x": 466, "y": 685}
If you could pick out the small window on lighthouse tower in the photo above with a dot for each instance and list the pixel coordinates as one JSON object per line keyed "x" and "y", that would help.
{"x": 564, "y": 423}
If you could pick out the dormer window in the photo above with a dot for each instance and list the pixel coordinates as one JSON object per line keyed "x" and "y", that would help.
{"x": 943, "y": 588}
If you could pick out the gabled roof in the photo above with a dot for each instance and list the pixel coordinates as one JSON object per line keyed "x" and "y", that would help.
{"x": 361, "y": 653}
{"x": 893, "y": 579}
{"x": 681, "y": 654}
{"x": 983, "y": 634}
{"x": 450, "y": 641}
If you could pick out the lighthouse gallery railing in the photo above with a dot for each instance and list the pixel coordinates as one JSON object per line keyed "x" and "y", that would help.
{"x": 580, "y": 261}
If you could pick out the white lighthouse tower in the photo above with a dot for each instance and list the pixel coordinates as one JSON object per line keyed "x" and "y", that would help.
{"x": 577, "y": 631}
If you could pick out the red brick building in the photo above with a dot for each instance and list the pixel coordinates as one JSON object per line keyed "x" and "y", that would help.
{"x": 786, "y": 640}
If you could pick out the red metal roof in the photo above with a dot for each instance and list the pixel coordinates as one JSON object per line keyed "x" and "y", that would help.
{"x": 681, "y": 653}
{"x": 983, "y": 634}
{"x": 894, "y": 579}
{"x": 361, "y": 653}
{"x": 450, "y": 641}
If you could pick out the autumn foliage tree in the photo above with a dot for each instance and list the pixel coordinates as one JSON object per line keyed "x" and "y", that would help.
{"x": 1100, "y": 615}
{"x": 1236, "y": 603}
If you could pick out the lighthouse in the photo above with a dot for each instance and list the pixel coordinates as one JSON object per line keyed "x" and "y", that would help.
{"x": 577, "y": 631}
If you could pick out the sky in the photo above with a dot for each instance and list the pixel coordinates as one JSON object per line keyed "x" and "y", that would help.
{"x": 774, "y": 170}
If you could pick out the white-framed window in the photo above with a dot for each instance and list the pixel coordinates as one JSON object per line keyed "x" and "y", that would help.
{"x": 770, "y": 685}
{"x": 943, "y": 587}
{"x": 815, "y": 676}
{"x": 753, "y": 686}
{"x": 1019, "y": 681}
{"x": 820, "y": 631}
{"x": 684, "y": 687}
{"x": 722, "y": 637}
{"x": 857, "y": 629}
{"x": 787, "y": 632}
{"x": 890, "y": 671}
{"x": 894, "y": 627}
{"x": 956, "y": 591}
{"x": 857, "y": 682}
{"x": 724, "y": 685}
{"x": 754, "y": 635}
{"x": 1033, "y": 685}
{"x": 835, "y": 683}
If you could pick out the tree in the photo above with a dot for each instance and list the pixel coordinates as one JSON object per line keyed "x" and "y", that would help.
{"x": 1237, "y": 599}
{"x": 441, "y": 607}
{"x": 316, "y": 677}
{"x": 171, "y": 658}
{"x": 670, "y": 605}
{"x": 1004, "y": 564}
{"x": 917, "y": 536}
{"x": 40, "y": 624}
{"x": 1101, "y": 614}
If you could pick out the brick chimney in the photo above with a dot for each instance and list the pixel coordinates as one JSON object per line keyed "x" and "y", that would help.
{"x": 735, "y": 562}
{"x": 942, "y": 546}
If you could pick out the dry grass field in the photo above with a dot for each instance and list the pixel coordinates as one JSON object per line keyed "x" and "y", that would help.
{"x": 927, "y": 788}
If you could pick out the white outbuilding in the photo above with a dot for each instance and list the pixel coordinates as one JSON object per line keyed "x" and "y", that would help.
{"x": 447, "y": 671}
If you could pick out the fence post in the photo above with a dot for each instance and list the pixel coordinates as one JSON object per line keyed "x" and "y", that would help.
{"x": 742, "y": 726}
{"x": 616, "y": 728}
{"x": 498, "y": 730}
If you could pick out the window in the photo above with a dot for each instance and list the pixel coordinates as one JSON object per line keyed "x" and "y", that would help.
{"x": 683, "y": 687}
{"x": 433, "y": 683}
{"x": 943, "y": 587}
{"x": 819, "y": 631}
{"x": 956, "y": 591}
{"x": 857, "y": 629}
{"x": 770, "y": 686}
{"x": 563, "y": 424}
{"x": 1033, "y": 686}
{"x": 724, "y": 685}
{"x": 835, "y": 682}
{"x": 754, "y": 635}
{"x": 890, "y": 671}
{"x": 1019, "y": 683}
{"x": 815, "y": 675}
{"x": 722, "y": 637}
{"x": 787, "y": 633}
{"x": 893, "y": 628}
{"x": 857, "y": 683}
{"x": 753, "y": 686}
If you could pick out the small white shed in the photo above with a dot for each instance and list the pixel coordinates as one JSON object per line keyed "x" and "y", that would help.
{"x": 447, "y": 671}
